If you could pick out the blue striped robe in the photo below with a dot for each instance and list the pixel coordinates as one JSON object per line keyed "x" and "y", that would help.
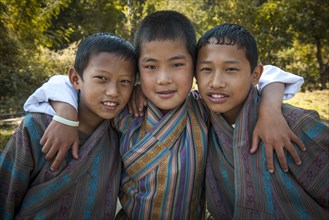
{"x": 164, "y": 159}
{"x": 238, "y": 183}
{"x": 86, "y": 188}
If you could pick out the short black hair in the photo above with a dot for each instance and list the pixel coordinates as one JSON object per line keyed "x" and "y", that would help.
{"x": 102, "y": 42}
{"x": 166, "y": 25}
{"x": 232, "y": 34}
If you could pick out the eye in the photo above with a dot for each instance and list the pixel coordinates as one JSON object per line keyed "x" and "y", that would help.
{"x": 149, "y": 67}
{"x": 101, "y": 78}
{"x": 177, "y": 65}
{"x": 205, "y": 69}
{"x": 232, "y": 69}
{"x": 126, "y": 81}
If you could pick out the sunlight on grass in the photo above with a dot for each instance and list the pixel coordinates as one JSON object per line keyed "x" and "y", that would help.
{"x": 316, "y": 100}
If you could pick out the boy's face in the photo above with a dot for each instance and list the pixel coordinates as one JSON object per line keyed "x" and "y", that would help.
{"x": 106, "y": 86}
{"x": 166, "y": 72}
{"x": 224, "y": 78}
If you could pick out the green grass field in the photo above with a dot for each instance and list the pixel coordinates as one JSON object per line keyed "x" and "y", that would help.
{"x": 317, "y": 100}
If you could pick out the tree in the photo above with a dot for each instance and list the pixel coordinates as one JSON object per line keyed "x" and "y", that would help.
{"x": 310, "y": 20}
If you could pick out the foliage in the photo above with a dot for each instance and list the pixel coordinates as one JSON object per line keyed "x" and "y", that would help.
{"x": 18, "y": 84}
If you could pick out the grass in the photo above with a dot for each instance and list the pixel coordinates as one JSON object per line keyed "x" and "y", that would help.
{"x": 317, "y": 100}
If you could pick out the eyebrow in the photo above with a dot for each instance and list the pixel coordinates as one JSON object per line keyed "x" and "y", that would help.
{"x": 226, "y": 62}
{"x": 178, "y": 57}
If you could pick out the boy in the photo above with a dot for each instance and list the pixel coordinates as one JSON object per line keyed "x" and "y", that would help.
{"x": 87, "y": 188}
{"x": 237, "y": 184}
{"x": 164, "y": 152}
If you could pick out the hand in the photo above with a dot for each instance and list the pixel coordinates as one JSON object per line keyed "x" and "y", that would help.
{"x": 276, "y": 134}
{"x": 137, "y": 102}
{"x": 57, "y": 139}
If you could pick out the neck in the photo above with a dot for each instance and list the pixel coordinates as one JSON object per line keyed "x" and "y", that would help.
{"x": 87, "y": 124}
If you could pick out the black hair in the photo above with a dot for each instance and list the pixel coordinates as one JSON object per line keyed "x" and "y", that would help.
{"x": 232, "y": 34}
{"x": 166, "y": 25}
{"x": 102, "y": 42}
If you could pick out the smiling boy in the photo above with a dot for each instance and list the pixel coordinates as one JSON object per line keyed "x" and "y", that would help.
{"x": 103, "y": 73}
{"x": 238, "y": 184}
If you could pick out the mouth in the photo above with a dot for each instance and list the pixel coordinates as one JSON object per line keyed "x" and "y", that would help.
{"x": 110, "y": 105}
{"x": 166, "y": 94}
{"x": 217, "y": 97}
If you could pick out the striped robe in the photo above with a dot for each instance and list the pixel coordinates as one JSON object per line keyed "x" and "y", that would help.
{"x": 86, "y": 188}
{"x": 164, "y": 159}
{"x": 238, "y": 183}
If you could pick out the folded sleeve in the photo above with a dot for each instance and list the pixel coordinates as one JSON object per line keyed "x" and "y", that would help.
{"x": 274, "y": 74}
{"x": 58, "y": 88}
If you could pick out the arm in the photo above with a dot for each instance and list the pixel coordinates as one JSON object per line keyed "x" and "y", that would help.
{"x": 271, "y": 126}
{"x": 59, "y": 89}
{"x": 59, "y": 138}
{"x": 292, "y": 82}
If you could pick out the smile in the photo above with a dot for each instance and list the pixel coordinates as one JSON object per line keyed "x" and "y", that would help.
{"x": 110, "y": 104}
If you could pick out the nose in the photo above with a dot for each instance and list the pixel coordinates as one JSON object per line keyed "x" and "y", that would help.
{"x": 164, "y": 77}
{"x": 218, "y": 80}
{"x": 112, "y": 89}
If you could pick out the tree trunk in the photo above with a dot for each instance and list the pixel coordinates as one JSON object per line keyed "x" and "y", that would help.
{"x": 324, "y": 69}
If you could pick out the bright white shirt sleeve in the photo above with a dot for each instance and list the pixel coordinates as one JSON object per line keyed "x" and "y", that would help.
{"x": 58, "y": 88}
{"x": 274, "y": 74}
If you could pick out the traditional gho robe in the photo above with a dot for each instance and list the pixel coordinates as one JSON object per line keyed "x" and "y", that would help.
{"x": 164, "y": 159}
{"x": 238, "y": 184}
{"x": 86, "y": 188}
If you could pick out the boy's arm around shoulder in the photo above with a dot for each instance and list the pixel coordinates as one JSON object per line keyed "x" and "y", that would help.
{"x": 271, "y": 74}
{"x": 58, "y": 138}
{"x": 19, "y": 161}
{"x": 58, "y": 88}
{"x": 313, "y": 173}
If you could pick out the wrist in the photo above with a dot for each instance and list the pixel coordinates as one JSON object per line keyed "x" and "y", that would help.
{"x": 65, "y": 121}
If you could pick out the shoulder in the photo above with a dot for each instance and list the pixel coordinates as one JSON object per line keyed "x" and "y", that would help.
{"x": 303, "y": 120}
{"x": 39, "y": 120}
{"x": 295, "y": 114}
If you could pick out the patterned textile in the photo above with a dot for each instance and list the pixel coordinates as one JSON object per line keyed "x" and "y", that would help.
{"x": 164, "y": 159}
{"x": 86, "y": 188}
{"x": 238, "y": 183}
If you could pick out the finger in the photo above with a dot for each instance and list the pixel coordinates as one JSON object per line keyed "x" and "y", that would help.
{"x": 269, "y": 159}
{"x": 43, "y": 139}
{"x": 255, "y": 142}
{"x": 46, "y": 147}
{"x": 134, "y": 108}
{"x": 282, "y": 158}
{"x": 130, "y": 109}
{"x": 75, "y": 149}
{"x": 52, "y": 152}
{"x": 290, "y": 148}
{"x": 297, "y": 141}
{"x": 58, "y": 160}
{"x": 141, "y": 107}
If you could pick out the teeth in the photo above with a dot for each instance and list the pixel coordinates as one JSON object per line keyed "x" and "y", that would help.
{"x": 217, "y": 96}
{"x": 111, "y": 104}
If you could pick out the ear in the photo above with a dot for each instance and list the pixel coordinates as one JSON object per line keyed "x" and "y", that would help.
{"x": 74, "y": 78}
{"x": 257, "y": 74}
